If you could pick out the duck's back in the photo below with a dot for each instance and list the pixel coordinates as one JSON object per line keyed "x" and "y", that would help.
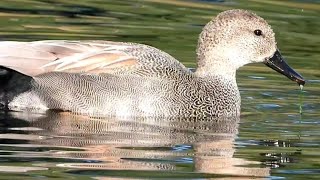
{"x": 86, "y": 57}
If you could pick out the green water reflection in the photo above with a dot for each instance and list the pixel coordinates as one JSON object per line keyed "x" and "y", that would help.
{"x": 273, "y": 140}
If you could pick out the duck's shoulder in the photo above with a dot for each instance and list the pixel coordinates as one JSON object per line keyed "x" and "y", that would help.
{"x": 153, "y": 61}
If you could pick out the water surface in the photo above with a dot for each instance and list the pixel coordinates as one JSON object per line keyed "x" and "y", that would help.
{"x": 270, "y": 139}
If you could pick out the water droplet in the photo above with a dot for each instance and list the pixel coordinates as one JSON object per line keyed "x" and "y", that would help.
{"x": 301, "y": 99}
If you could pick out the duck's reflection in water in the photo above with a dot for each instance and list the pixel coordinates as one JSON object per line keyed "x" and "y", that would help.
{"x": 144, "y": 143}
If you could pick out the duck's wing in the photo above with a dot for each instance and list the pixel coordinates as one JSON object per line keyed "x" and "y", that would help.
{"x": 87, "y": 57}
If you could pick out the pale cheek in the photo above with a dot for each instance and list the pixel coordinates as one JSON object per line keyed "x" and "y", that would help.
{"x": 259, "y": 50}
{"x": 238, "y": 57}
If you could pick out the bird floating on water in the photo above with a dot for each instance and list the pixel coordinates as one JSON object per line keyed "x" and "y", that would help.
{"x": 103, "y": 78}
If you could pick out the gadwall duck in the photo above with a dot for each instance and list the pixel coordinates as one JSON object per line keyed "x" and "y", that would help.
{"x": 103, "y": 78}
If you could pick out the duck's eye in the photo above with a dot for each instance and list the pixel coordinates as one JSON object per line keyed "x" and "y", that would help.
{"x": 258, "y": 32}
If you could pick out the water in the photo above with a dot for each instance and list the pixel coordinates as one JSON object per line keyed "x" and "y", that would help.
{"x": 271, "y": 139}
{"x": 301, "y": 98}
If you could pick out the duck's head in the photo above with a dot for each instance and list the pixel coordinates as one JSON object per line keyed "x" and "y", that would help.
{"x": 238, "y": 37}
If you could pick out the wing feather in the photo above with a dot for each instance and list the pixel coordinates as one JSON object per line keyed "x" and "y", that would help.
{"x": 34, "y": 58}
{"x": 93, "y": 61}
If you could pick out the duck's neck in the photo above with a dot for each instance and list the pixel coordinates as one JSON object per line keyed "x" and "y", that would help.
{"x": 214, "y": 66}
{"x": 217, "y": 70}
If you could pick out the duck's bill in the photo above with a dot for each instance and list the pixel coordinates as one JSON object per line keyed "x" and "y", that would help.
{"x": 277, "y": 63}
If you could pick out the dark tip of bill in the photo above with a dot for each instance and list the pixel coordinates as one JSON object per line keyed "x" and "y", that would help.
{"x": 300, "y": 82}
{"x": 297, "y": 78}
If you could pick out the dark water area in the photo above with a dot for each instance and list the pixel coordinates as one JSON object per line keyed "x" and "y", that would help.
{"x": 271, "y": 139}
